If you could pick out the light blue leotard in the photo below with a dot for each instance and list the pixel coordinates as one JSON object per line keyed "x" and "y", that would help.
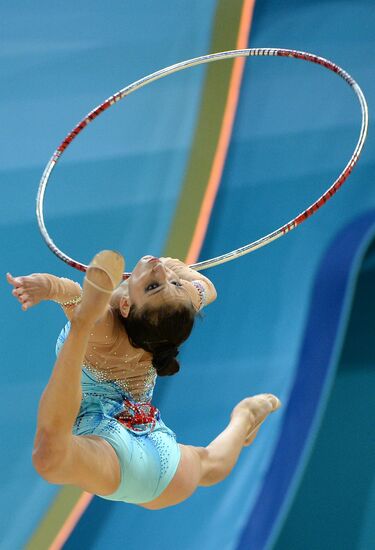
{"x": 148, "y": 454}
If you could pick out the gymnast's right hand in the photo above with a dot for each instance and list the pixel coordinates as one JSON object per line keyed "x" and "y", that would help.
{"x": 29, "y": 289}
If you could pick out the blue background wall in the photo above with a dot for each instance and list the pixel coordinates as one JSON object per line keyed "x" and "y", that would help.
{"x": 117, "y": 186}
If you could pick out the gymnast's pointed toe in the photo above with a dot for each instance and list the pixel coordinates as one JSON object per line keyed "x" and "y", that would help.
{"x": 103, "y": 276}
{"x": 105, "y": 271}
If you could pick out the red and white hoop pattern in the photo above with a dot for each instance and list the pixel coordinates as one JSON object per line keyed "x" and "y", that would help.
{"x": 185, "y": 65}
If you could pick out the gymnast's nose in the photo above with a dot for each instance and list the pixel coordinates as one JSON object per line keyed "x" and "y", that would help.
{"x": 159, "y": 270}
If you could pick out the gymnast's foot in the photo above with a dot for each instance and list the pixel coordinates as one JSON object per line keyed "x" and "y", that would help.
{"x": 253, "y": 411}
{"x": 103, "y": 275}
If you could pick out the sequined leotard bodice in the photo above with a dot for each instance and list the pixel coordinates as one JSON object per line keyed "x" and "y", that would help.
{"x": 109, "y": 355}
{"x": 111, "y": 358}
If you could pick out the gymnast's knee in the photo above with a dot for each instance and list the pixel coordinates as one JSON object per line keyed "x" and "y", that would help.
{"x": 213, "y": 468}
{"x": 48, "y": 456}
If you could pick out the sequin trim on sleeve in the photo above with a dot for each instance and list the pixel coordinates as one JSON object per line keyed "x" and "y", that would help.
{"x": 71, "y": 302}
{"x": 202, "y": 294}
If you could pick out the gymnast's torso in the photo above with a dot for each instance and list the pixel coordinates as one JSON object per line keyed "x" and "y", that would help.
{"x": 117, "y": 379}
{"x": 111, "y": 358}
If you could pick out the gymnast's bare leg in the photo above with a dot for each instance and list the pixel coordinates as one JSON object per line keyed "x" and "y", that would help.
{"x": 205, "y": 466}
{"x": 89, "y": 462}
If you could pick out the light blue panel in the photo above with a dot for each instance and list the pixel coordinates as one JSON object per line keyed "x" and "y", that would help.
{"x": 295, "y": 129}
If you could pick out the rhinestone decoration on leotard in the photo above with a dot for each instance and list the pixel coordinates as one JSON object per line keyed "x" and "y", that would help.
{"x": 138, "y": 416}
{"x": 162, "y": 449}
{"x": 85, "y": 423}
{"x": 111, "y": 427}
{"x": 139, "y": 390}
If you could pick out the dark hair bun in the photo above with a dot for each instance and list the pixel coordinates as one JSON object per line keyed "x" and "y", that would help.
{"x": 164, "y": 361}
{"x": 160, "y": 331}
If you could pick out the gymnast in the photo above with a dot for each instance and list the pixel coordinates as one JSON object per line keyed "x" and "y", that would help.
{"x": 96, "y": 426}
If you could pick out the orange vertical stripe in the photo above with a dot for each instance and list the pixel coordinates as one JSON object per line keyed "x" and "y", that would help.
{"x": 224, "y": 137}
{"x": 71, "y": 521}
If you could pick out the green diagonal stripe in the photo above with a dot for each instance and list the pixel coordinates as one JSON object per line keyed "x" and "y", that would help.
{"x": 54, "y": 519}
{"x": 214, "y": 97}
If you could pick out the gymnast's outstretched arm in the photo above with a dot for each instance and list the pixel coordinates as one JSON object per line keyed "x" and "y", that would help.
{"x": 32, "y": 289}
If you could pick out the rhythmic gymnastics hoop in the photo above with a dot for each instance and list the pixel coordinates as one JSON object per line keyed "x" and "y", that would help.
{"x": 185, "y": 65}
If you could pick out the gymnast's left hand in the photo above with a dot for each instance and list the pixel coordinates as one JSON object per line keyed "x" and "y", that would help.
{"x": 29, "y": 290}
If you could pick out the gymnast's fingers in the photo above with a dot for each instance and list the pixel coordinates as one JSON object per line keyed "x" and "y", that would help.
{"x": 17, "y": 290}
{"x": 25, "y": 301}
{"x": 18, "y": 296}
{"x": 26, "y": 304}
{"x": 15, "y": 281}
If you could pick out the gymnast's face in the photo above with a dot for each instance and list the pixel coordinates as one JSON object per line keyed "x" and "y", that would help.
{"x": 153, "y": 284}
